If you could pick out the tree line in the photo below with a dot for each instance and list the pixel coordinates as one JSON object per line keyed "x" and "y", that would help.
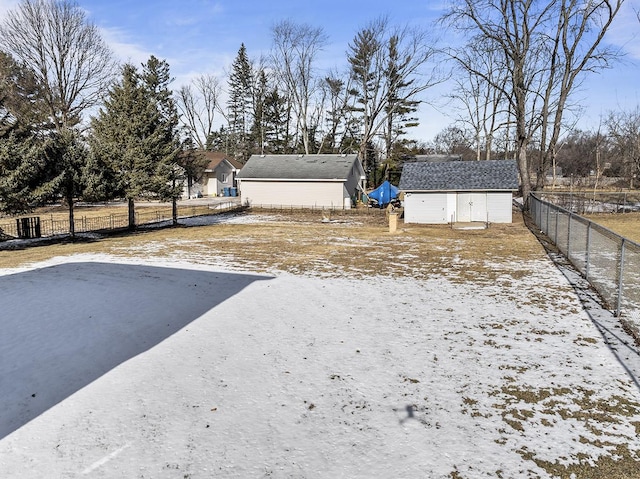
{"x": 76, "y": 125}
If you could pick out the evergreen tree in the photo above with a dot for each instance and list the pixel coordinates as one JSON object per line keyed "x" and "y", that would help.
{"x": 125, "y": 140}
{"x": 22, "y": 105}
{"x": 275, "y": 121}
{"x": 239, "y": 106}
{"x": 398, "y": 109}
{"x": 258, "y": 128}
{"x": 168, "y": 178}
{"x": 24, "y": 164}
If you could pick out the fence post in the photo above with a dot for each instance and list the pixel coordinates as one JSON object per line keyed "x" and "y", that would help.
{"x": 555, "y": 236}
{"x": 620, "y": 276}
{"x": 569, "y": 237}
{"x": 587, "y": 259}
{"x": 546, "y": 230}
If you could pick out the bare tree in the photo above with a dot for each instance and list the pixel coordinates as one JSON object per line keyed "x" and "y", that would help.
{"x": 198, "y": 104}
{"x": 576, "y": 49}
{"x": 71, "y": 63}
{"x": 484, "y": 107}
{"x": 66, "y": 53}
{"x": 338, "y": 112}
{"x": 380, "y": 94}
{"x": 294, "y": 51}
{"x": 623, "y": 129}
{"x": 545, "y": 46}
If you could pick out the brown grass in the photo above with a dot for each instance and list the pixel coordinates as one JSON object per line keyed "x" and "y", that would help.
{"x": 347, "y": 245}
{"x": 625, "y": 224}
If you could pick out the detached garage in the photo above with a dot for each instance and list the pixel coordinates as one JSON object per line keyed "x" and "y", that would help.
{"x": 306, "y": 181}
{"x": 459, "y": 191}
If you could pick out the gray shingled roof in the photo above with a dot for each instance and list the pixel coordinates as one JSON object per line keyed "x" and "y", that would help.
{"x": 460, "y": 176}
{"x": 298, "y": 167}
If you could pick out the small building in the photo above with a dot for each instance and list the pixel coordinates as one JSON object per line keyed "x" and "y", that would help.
{"x": 459, "y": 191}
{"x": 220, "y": 174}
{"x": 307, "y": 181}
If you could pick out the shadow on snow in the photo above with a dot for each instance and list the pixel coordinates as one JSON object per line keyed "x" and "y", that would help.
{"x": 621, "y": 344}
{"x": 65, "y": 326}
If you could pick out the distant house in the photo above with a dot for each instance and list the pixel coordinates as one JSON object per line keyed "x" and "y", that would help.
{"x": 459, "y": 191}
{"x": 219, "y": 175}
{"x": 309, "y": 181}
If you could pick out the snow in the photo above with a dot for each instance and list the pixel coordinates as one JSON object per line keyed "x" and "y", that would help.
{"x": 164, "y": 368}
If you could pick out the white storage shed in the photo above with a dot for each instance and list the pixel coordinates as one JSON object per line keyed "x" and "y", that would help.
{"x": 459, "y": 191}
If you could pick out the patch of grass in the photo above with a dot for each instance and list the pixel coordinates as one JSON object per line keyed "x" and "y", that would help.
{"x": 356, "y": 245}
{"x": 581, "y": 405}
{"x": 621, "y": 464}
{"x": 625, "y": 224}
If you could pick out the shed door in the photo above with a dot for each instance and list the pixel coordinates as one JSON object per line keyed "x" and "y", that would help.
{"x": 429, "y": 208}
{"x": 471, "y": 207}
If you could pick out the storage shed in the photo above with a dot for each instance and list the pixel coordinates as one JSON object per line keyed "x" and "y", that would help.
{"x": 307, "y": 181}
{"x": 459, "y": 191}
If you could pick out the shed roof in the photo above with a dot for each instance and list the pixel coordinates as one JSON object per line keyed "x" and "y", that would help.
{"x": 215, "y": 158}
{"x": 298, "y": 167}
{"x": 460, "y": 176}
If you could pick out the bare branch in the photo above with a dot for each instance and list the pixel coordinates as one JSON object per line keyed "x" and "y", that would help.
{"x": 66, "y": 53}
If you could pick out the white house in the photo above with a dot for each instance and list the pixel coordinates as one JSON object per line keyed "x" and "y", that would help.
{"x": 459, "y": 191}
{"x": 307, "y": 181}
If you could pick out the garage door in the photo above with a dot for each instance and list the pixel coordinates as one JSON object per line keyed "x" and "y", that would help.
{"x": 425, "y": 208}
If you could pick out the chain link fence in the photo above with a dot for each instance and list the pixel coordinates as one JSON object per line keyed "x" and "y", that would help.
{"x": 610, "y": 262}
{"x": 586, "y": 202}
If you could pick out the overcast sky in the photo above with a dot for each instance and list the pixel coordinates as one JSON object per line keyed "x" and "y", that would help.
{"x": 203, "y": 36}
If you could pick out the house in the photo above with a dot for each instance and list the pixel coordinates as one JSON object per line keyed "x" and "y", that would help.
{"x": 308, "y": 181}
{"x": 219, "y": 176}
{"x": 459, "y": 191}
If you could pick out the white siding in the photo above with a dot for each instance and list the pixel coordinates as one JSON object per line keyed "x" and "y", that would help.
{"x": 430, "y": 208}
{"x": 499, "y": 206}
{"x": 293, "y": 193}
{"x": 444, "y": 207}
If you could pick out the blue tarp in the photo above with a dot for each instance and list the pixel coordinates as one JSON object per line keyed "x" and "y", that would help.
{"x": 384, "y": 193}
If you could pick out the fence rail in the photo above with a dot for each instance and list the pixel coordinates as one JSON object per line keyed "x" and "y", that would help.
{"x": 52, "y": 226}
{"x": 588, "y": 202}
{"x": 610, "y": 262}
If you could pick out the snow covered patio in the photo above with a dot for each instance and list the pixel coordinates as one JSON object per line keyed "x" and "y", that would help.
{"x": 164, "y": 366}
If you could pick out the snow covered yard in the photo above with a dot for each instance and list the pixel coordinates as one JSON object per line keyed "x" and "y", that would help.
{"x": 163, "y": 364}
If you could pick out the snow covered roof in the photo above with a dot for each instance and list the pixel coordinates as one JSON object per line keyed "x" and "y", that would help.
{"x": 460, "y": 176}
{"x": 299, "y": 167}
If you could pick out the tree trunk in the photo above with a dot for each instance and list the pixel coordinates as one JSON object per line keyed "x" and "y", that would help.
{"x": 523, "y": 168}
{"x": 132, "y": 214}
{"x": 174, "y": 211}
{"x": 72, "y": 224}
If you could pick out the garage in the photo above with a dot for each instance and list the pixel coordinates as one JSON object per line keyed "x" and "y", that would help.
{"x": 459, "y": 191}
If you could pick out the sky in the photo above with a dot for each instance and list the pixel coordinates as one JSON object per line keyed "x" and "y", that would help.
{"x": 203, "y": 37}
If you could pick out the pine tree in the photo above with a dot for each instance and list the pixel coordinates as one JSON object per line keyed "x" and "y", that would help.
{"x": 24, "y": 164}
{"x": 125, "y": 140}
{"x": 399, "y": 110}
{"x": 276, "y": 137}
{"x": 239, "y": 106}
{"x": 169, "y": 176}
